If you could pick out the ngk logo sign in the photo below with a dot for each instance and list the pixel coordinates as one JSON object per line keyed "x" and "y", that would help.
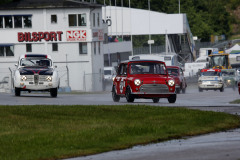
{"x": 80, "y": 35}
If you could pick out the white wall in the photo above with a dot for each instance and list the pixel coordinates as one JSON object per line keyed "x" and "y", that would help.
{"x": 136, "y": 21}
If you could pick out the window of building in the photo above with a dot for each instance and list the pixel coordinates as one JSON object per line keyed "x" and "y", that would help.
{"x": 54, "y": 47}
{"x": 99, "y": 47}
{"x": 1, "y": 22}
{"x": 17, "y": 21}
{"x": 27, "y": 21}
{"x": 83, "y": 48}
{"x": 8, "y": 22}
{"x": 98, "y": 19}
{"x": 81, "y": 19}
{"x": 7, "y": 50}
{"x": 1, "y": 51}
{"x": 94, "y": 47}
{"x": 29, "y": 47}
{"x": 77, "y": 20}
{"x": 53, "y": 18}
{"x": 94, "y": 20}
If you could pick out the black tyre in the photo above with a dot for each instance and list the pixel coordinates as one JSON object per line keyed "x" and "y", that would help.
{"x": 178, "y": 90}
{"x": 115, "y": 97}
{"x": 54, "y": 92}
{"x": 156, "y": 100}
{"x": 172, "y": 98}
{"x": 222, "y": 89}
{"x": 184, "y": 90}
{"x": 129, "y": 95}
{"x": 17, "y": 92}
{"x": 200, "y": 89}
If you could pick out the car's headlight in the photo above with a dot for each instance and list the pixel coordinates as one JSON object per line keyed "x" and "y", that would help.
{"x": 23, "y": 78}
{"x": 171, "y": 82}
{"x": 113, "y": 78}
{"x": 229, "y": 81}
{"x": 49, "y": 78}
{"x": 137, "y": 82}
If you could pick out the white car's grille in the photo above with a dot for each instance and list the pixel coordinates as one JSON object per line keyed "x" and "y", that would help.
{"x": 36, "y": 78}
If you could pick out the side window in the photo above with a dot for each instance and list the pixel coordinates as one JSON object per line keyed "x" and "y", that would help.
{"x": 53, "y": 18}
{"x": 28, "y": 47}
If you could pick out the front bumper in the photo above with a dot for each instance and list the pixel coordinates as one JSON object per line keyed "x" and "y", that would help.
{"x": 156, "y": 90}
{"x": 210, "y": 86}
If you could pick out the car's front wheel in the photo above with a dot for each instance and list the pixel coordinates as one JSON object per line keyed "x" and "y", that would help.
{"x": 172, "y": 98}
{"x": 17, "y": 92}
{"x": 129, "y": 95}
{"x": 115, "y": 97}
{"x": 53, "y": 92}
{"x": 156, "y": 100}
{"x": 222, "y": 89}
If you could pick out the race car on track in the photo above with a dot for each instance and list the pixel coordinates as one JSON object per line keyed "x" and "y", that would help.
{"x": 147, "y": 79}
{"x": 211, "y": 79}
{"x": 35, "y": 72}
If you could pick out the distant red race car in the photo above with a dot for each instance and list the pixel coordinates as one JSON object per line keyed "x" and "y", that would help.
{"x": 143, "y": 79}
{"x": 180, "y": 81}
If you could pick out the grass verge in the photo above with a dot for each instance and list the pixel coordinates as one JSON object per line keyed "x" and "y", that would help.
{"x": 54, "y": 132}
{"x": 237, "y": 101}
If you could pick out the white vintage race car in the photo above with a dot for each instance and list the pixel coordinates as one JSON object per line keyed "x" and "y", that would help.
{"x": 35, "y": 72}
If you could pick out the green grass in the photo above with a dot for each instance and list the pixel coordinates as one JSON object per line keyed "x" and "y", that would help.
{"x": 54, "y": 132}
{"x": 237, "y": 101}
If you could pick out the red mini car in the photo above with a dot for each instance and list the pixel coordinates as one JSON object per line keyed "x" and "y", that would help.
{"x": 177, "y": 74}
{"x": 147, "y": 79}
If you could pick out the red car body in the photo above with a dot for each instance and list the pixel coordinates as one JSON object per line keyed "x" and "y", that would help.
{"x": 143, "y": 79}
{"x": 177, "y": 74}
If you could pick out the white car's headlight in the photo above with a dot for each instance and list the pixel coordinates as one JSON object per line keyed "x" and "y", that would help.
{"x": 23, "y": 78}
{"x": 137, "y": 82}
{"x": 49, "y": 78}
{"x": 171, "y": 82}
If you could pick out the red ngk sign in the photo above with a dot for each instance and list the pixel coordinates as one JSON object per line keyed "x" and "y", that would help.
{"x": 79, "y": 35}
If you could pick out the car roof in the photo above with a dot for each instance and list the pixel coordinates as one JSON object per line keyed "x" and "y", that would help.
{"x": 142, "y": 60}
{"x": 35, "y": 55}
{"x": 173, "y": 67}
{"x": 211, "y": 70}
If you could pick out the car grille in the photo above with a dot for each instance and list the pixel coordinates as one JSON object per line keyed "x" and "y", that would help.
{"x": 154, "y": 88}
{"x": 36, "y": 78}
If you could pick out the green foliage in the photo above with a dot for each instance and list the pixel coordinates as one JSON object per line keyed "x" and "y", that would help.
{"x": 57, "y": 132}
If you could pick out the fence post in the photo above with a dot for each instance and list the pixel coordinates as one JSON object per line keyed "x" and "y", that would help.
{"x": 11, "y": 85}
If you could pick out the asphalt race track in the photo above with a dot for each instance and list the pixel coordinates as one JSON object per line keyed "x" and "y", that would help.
{"x": 215, "y": 146}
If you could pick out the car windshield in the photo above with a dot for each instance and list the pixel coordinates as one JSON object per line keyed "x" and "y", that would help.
{"x": 107, "y": 72}
{"x": 225, "y": 73}
{"x": 210, "y": 73}
{"x": 35, "y": 62}
{"x": 172, "y": 71}
{"x": 147, "y": 68}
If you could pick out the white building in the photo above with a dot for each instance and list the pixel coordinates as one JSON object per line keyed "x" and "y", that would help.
{"x": 70, "y": 31}
{"x": 124, "y": 21}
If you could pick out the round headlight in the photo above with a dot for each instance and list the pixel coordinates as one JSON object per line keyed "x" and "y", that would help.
{"x": 171, "y": 82}
{"x": 24, "y": 78}
{"x": 49, "y": 78}
{"x": 137, "y": 82}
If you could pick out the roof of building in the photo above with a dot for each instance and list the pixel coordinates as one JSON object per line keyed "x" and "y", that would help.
{"x": 44, "y": 4}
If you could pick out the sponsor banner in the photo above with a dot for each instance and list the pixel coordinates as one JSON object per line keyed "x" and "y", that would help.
{"x": 39, "y": 36}
{"x": 76, "y": 35}
{"x": 97, "y": 35}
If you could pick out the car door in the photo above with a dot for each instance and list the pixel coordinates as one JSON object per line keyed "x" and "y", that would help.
{"x": 121, "y": 79}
